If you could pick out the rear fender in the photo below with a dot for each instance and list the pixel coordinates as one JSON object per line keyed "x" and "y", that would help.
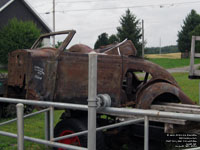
{"x": 161, "y": 92}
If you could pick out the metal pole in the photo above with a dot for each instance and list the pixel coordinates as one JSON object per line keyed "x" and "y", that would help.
{"x": 45, "y": 103}
{"x": 41, "y": 141}
{"x": 47, "y": 127}
{"x": 142, "y": 38}
{"x": 192, "y": 56}
{"x": 26, "y": 116}
{"x": 108, "y": 110}
{"x": 125, "y": 123}
{"x": 20, "y": 126}
{"x": 146, "y": 133}
{"x": 199, "y": 93}
{"x": 160, "y": 46}
{"x": 92, "y": 102}
{"x": 51, "y": 123}
{"x": 54, "y": 22}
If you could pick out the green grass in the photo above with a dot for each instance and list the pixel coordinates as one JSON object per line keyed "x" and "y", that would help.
{"x": 172, "y": 63}
{"x": 34, "y": 126}
{"x": 3, "y": 71}
{"x": 189, "y": 87}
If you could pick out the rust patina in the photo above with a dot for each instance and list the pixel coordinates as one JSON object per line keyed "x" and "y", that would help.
{"x": 61, "y": 75}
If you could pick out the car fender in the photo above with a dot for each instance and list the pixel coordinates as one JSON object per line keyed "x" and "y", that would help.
{"x": 153, "y": 93}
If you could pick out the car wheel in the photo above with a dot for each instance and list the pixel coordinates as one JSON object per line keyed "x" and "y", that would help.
{"x": 73, "y": 125}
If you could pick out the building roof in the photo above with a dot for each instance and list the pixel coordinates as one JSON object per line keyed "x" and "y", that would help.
{"x": 3, "y": 2}
{"x": 6, "y": 3}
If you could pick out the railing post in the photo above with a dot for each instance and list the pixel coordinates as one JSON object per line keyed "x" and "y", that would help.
{"x": 146, "y": 133}
{"x": 199, "y": 93}
{"x": 47, "y": 126}
{"x": 51, "y": 123}
{"x": 192, "y": 56}
{"x": 20, "y": 126}
{"x": 92, "y": 102}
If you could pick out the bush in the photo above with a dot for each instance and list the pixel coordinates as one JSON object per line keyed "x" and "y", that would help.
{"x": 16, "y": 35}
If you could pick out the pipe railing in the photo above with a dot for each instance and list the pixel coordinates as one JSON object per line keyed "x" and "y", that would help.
{"x": 107, "y": 110}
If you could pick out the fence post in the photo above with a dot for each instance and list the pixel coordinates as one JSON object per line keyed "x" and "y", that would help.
{"x": 20, "y": 126}
{"x": 51, "y": 123}
{"x": 47, "y": 126}
{"x": 92, "y": 102}
{"x": 146, "y": 133}
{"x": 192, "y": 56}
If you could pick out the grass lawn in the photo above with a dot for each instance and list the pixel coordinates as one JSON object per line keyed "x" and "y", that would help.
{"x": 189, "y": 87}
{"x": 172, "y": 63}
{"x": 34, "y": 126}
{"x": 3, "y": 71}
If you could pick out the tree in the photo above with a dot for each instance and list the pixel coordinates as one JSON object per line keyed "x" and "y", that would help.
{"x": 113, "y": 39}
{"x": 196, "y": 32}
{"x": 102, "y": 40}
{"x": 190, "y": 22}
{"x": 130, "y": 29}
{"x": 58, "y": 44}
{"x": 16, "y": 35}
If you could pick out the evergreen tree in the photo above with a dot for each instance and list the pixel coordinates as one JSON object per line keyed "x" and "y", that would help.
{"x": 16, "y": 35}
{"x": 196, "y": 32}
{"x": 184, "y": 38}
{"x": 130, "y": 29}
{"x": 102, "y": 40}
{"x": 113, "y": 39}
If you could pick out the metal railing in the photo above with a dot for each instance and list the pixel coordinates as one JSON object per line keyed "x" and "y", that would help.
{"x": 92, "y": 110}
{"x": 108, "y": 110}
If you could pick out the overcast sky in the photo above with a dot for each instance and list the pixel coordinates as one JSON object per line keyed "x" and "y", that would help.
{"x": 90, "y": 18}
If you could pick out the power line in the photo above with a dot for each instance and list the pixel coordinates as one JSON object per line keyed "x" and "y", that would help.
{"x": 89, "y": 1}
{"x": 136, "y": 6}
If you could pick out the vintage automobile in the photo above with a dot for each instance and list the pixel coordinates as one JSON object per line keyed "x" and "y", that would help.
{"x": 61, "y": 75}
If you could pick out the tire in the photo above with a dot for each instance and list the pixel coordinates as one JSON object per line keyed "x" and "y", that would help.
{"x": 1, "y": 110}
{"x": 73, "y": 125}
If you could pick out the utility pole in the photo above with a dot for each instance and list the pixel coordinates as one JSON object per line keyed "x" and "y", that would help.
{"x": 142, "y": 38}
{"x": 54, "y": 23}
{"x": 160, "y": 46}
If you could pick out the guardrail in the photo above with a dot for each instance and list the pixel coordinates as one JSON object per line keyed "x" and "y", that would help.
{"x": 92, "y": 110}
{"x": 107, "y": 110}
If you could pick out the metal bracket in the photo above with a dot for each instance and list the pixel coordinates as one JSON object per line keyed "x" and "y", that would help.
{"x": 103, "y": 100}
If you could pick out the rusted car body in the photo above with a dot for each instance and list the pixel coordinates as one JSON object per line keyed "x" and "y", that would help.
{"x": 51, "y": 74}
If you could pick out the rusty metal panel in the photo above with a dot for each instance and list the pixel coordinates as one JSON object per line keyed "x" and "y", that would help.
{"x": 126, "y": 49}
{"x": 41, "y": 83}
{"x": 146, "y": 96}
{"x": 141, "y": 65}
{"x": 17, "y": 67}
{"x": 72, "y": 78}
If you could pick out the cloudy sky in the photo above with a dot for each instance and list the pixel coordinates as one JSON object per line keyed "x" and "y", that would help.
{"x": 90, "y": 18}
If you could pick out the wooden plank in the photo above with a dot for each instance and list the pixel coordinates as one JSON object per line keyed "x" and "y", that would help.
{"x": 181, "y": 105}
{"x": 193, "y": 127}
{"x": 176, "y": 109}
{"x": 197, "y": 38}
{"x": 169, "y": 120}
{"x": 197, "y": 55}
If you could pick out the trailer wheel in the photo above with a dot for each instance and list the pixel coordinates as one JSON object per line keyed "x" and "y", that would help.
{"x": 73, "y": 125}
{"x": 1, "y": 110}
